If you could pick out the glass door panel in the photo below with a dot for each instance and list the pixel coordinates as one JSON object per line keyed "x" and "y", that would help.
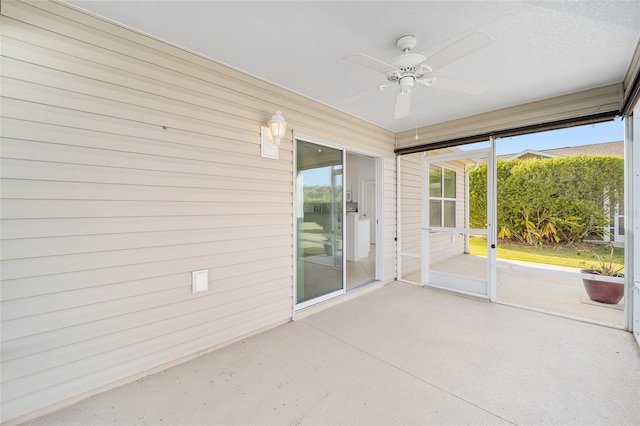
{"x": 361, "y": 217}
{"x": 319, "y": 231}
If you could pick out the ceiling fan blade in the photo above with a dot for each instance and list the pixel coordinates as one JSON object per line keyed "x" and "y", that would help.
{"x": 459, "y": 86}
{"x": 459, "y": 49}
{"x": 403, "y": 104}
{"x": 369, "y": 62}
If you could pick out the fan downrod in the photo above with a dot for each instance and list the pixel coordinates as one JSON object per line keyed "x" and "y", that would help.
{"x": 408, "y": 61}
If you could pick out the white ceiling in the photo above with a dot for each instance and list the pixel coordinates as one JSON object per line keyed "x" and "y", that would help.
{"x": 540, "y": 49}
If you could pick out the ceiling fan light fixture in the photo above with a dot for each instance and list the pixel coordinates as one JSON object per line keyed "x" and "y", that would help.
{"x": 406, "y": 83}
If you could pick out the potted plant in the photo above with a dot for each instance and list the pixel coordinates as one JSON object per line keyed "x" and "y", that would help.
{"x": 603, "y": 291}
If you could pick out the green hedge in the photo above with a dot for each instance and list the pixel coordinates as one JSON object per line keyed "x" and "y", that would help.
{"x": 552, "y": 200}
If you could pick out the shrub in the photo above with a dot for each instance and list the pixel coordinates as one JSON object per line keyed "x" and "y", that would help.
{"x": 553, "y": 200}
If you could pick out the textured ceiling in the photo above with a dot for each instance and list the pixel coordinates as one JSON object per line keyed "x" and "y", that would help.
{"x": 540, "y": 49}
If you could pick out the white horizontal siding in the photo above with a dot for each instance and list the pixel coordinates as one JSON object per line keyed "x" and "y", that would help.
{"x": 389, "y": 217}
{"x": 18, "y": 228}
{"x": 116, "y": 318}
{"x": 127, "y": 163}
{"x": 411, "y": 211}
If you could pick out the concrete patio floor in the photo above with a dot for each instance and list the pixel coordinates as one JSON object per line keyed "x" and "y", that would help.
{"x": 535, "y": 288}
{"x": 400, "y": 354}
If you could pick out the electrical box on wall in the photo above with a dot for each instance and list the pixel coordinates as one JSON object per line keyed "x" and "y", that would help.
{"x": 199, "y": 281}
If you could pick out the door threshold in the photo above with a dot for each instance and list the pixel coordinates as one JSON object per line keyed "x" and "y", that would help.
{"x": 321, "y": 306}
{"x": 360, "y": 285}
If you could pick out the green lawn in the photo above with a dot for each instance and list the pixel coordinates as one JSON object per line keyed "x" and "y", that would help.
{"x": 313, "y": 239}
{"x": 562, "y": 256}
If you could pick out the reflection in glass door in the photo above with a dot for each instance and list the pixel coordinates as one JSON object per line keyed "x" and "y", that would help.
{"x": 319, "y": 233}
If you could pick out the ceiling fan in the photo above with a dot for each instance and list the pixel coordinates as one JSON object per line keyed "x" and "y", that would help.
{"x": 410, "y": 68}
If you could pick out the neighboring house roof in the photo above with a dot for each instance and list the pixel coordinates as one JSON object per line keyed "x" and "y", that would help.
{"x": 606, "y": 148}
{"x": 530, "y": 153}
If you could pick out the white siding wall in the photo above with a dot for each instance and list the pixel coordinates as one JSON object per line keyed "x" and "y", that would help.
{"x": 389, "y": 213}
{"x": 411, "y": 213}
{"x": 126, "y": 164}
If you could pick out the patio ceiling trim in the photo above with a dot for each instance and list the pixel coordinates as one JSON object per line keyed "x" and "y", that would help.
{"x": 585, "y": 107}
{"x": 542, "y": 127}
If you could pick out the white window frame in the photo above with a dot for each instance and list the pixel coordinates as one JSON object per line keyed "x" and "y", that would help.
{"x": 442, "y": 198}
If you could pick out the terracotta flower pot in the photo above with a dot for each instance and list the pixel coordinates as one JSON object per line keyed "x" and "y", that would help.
{"x": 602, "y": 291}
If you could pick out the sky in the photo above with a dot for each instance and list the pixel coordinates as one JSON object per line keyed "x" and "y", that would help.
{"x": 609, "y": 131}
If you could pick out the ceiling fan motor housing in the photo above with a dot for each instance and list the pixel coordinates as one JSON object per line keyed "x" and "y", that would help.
{"x": 408, "y": 61}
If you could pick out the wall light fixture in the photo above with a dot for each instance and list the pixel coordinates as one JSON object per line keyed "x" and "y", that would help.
{"x": 271, "y": 136}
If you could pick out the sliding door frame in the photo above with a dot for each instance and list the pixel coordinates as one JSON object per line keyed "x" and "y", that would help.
{"x": 379, "y": 220}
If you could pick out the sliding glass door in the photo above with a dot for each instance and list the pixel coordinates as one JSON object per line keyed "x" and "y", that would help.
{"x": 319, "y": 233}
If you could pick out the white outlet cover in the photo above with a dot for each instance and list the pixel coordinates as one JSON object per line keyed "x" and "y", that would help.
{"x": 200, "y": 281}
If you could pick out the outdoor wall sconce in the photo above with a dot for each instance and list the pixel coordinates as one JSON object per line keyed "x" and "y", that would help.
{"x": 271, "y": 136}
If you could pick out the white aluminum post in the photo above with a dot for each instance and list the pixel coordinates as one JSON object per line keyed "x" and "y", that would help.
{"x": 632, "y": 222}
{"x": 492, "y": 219}
{"x": 398, "y": 219}
{"x": 424, "y": 201}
